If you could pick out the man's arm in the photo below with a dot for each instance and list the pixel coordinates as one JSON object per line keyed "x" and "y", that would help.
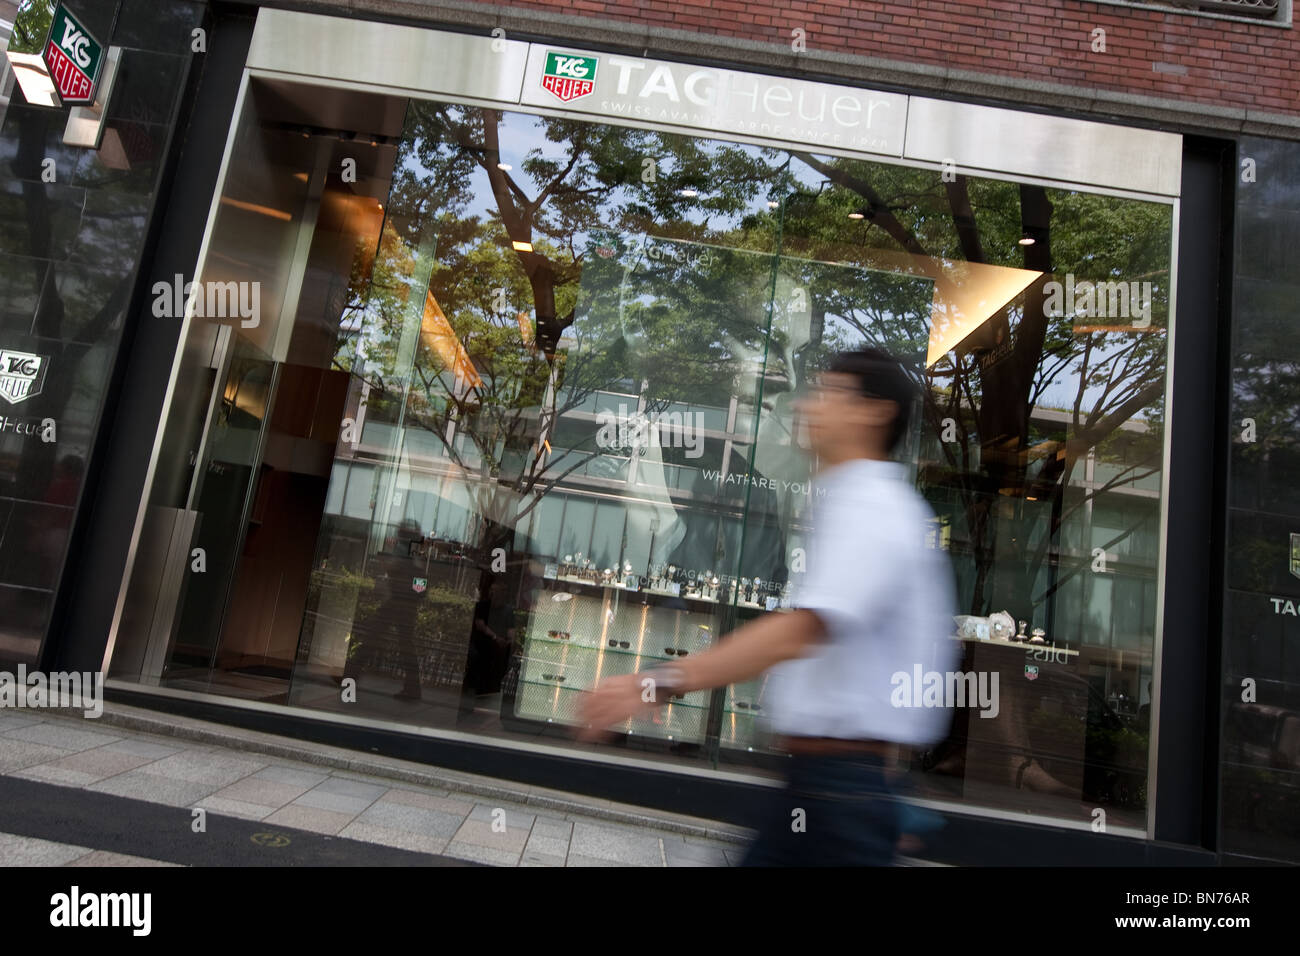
{"x": 750, "y": 650}
{"x": 747, "y": 652}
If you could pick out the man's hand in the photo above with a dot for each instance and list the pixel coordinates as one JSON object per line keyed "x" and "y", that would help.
{"x": 613, "y": 701}
{"x": 746, "y": 653}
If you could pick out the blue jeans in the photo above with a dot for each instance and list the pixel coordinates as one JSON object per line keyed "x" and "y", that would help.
{"x": 849, "y": 816}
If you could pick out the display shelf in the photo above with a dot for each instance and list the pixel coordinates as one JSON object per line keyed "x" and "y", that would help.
{"x": 678, "y": 721}
{"x": 551, "y": 685}
{"x": 704, "y": 602}
{"x": 649, "y": 653}
{"x": 650, "y": 621}
{"x": 1027, "y": 645}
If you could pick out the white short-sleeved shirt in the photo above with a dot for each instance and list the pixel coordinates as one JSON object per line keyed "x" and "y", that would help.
{"x": 887, "y": 601}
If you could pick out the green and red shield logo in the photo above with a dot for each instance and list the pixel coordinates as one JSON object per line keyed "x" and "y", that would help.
{"x": 73, "y": 58}
{"x": 569, "y": 77}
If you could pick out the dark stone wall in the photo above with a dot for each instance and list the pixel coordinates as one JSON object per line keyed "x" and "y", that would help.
{"x": 1260, "y": 743}
{"x": 74, "y": 227}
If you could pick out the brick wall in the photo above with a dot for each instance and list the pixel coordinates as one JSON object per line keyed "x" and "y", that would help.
{"x": 1226, "y": 62}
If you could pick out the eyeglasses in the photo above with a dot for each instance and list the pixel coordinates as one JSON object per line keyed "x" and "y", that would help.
{"x": 554, "y": 677}
{"x": 623, "y": 644}
{"x": 670, "y": 651}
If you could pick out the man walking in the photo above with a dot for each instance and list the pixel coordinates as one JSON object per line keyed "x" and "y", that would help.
{"x": 875, "y": 601}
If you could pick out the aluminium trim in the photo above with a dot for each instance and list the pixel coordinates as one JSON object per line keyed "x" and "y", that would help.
{"x": 128, "y": 567}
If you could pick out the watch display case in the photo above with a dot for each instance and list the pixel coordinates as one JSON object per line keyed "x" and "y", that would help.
{"x": 584, "y": 633}
{"x": 581, "y": 632}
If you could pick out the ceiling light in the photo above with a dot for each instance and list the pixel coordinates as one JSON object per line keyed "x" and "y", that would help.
{"x": 689, "y": 193}
{"x": 856, "y": 215}
{"x": 506, "y": 167}
{"x": 1026, "y": 240}
{"x": 522, "y": 246}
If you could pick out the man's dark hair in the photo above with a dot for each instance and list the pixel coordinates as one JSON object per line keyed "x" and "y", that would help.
{"x": 879, "y": 375}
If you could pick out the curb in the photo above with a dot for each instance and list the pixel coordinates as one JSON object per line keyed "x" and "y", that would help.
{"x": 403, "y": 771}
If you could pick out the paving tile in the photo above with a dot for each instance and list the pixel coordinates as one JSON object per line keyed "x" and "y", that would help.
{"x": 546, "y": 846}
{"x": 553, "y": 828}
{"x": 310, "y": 818}
{"x": 105, "y": 858}
{"x": 154, "y": 789}
{"x": 278, "y": 773}
{"x": 480, "y": 833}
{"x": 337, "y": 803}
{"x": 368, "y": 779}
{"x": 17, "y": 754}
{"x": 540, "y": 860}
{"x": 414, "y": 819}
{"x": 223, "y": 806}
{"x": 49, "y": 773}
{"x": 402, "y": 839}
{"x": 211, "y": 767}
{"x": 10, "y": 722}
{"x": 427, "y": 801}
{"x": 351, "y": 788}
{"x": 679, "y": 853}
{"x": 477, "y": 853}
{"x": 61, "y": 735}
{"x": 264, "y": 793}
{"x": 606, "y": 843}
{"x": 29, "y": 851}
{"x": 100, "y": 763}
{"x": 577, "y": 859}
{"x": 516, "y": 817}
{"x": 142, "y": 748}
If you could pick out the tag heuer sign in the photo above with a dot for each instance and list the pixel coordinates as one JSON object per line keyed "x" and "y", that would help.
{"x": 569, "y": 77}
{"x": 21, "y": 375}
{"x": 73, "y": 58}
{"x": 1295, "y": 554}
{"x": 419, "y": 584}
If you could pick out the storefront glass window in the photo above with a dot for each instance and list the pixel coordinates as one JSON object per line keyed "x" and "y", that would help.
{"x": 522, "y": 419}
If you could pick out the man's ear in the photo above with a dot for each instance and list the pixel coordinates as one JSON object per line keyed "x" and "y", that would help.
{"x": 879, "y": 412}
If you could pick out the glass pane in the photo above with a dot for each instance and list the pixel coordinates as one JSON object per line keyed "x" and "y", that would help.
{"x": 520, "y": 415}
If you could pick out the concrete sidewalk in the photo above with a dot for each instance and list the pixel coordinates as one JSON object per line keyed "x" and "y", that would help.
{"x": 228, "y": 771}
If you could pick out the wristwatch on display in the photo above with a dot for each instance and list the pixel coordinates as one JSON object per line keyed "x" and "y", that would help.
{"x": 668, "y": 681}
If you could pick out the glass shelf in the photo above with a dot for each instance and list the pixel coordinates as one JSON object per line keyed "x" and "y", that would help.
{"x": 551, "y": 685}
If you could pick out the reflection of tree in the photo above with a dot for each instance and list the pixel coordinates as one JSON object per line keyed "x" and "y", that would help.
{"x": 31, "y": 25}
{"x": 1031, "y": 395}
{"x": 526, "y": 251}
{"x": 1022, "y": 358}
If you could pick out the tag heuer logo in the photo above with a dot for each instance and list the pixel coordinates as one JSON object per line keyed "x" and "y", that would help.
{"x": 569, "y": 77}
{"x": 21, "y": 375}
{"x": 419, "y": 584}
{"x": 1295, "y": 554}
{"x": 1031, "y": 671}
{"x": 73, "y": 58}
